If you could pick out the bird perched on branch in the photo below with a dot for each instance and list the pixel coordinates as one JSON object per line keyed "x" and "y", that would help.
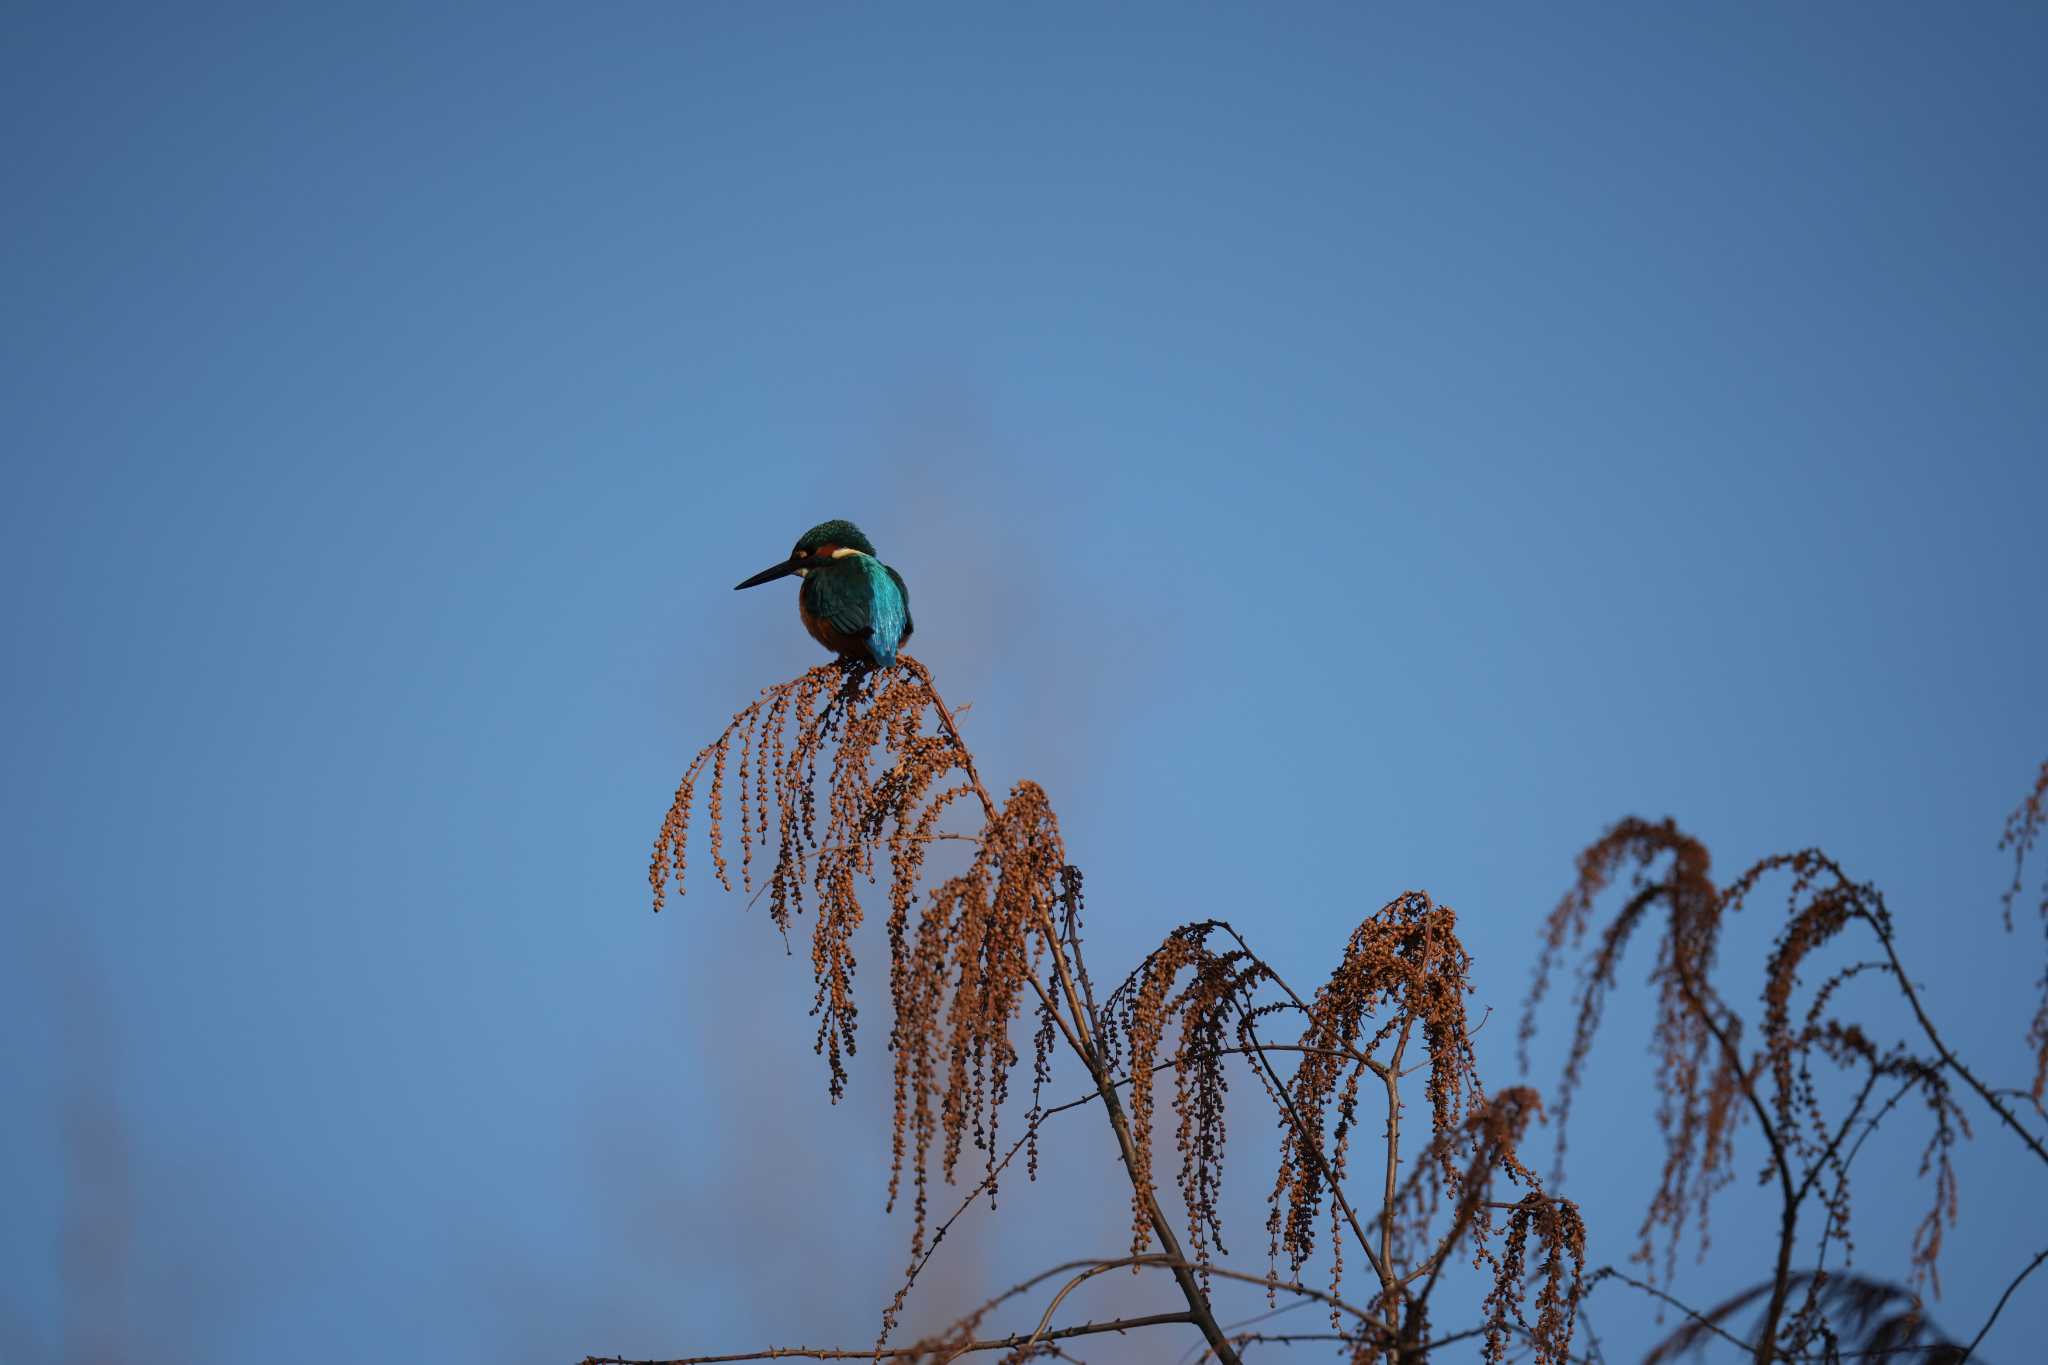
{"x": 851, "y": 602}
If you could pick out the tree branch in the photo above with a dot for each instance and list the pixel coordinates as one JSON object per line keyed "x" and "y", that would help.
{"x": 1788, "y": 1219}
{"x": 1084, "y": 1047}
{"x": 1609, "y": 1272}
{"x": 1953, "y": 1062}
{"x": 1086, "y": 1329}
{"x": 1999, "y": 1307}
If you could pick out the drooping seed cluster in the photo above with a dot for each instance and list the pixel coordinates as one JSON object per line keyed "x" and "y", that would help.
{"x": 2022, "y": 829}
{"x": 844, "y": 773}
{"x": 964, "y": 952}
{"x": 959, "y": 980}
{"x": 1214, "y": 1006}
{"x": 1821, "y": 904}
{"x": 959, "y": 962}
{"x": 1560, "y": 1234}
{"x": 1709, "y": 1086}
{"x": 1403, "y": 969}
{"x": 1402, "y": 983}
{"x": 1700, "y": 1082}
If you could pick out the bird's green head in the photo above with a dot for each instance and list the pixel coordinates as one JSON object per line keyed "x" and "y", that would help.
{"x": 816, "y": 547}
{"x": 827, "y": 535}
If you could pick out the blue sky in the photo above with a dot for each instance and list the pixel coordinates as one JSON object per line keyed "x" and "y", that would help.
{"x": 1335, "y": 449}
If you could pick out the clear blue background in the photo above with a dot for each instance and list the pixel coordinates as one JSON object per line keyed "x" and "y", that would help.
{"x": 1336, "y": 450}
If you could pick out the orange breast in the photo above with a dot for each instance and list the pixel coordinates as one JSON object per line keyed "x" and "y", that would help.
{"x": 821, "y": 631}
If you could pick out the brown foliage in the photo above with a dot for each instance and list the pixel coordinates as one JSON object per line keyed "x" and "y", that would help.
{"x": 964, "y": 952}
{"x": 845, "y": 777}
{"x": 1402, "y": 967}
{"x": 1710, "y": 1085}
{"x": 1404, "y": 975}
{"x": 1209, "y": 1006}
{"x": 958, "y": 972}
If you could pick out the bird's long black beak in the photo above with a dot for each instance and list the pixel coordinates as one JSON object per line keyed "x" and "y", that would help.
{"x": 786, "y": 567}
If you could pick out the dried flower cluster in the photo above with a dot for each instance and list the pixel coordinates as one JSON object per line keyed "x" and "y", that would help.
{"x": 1489, "y": 1143}
{"x": 1555, "y": 1227}
{"x": 844, "y": 774}
{"x": 1213, "y": 1007}
{"x": 957, "y": 969}
{"x": 1710, "y": 1085}
{"x": 1403, "y": 967}
{"x": 845, "y": 777}
{"x": 1402, "y": 981}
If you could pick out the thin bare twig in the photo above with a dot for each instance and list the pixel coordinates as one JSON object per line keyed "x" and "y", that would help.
{"x": 1609, "y": 1272}
{"x": 1085, "y": 1329}
{"x": 1085, "y": 1048}
{"x": 1999, "y": 1307}
{"x": 1953, "y": 1062}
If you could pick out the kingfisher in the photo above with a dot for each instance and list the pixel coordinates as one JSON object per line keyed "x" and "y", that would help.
{"x": 851, "y": 602}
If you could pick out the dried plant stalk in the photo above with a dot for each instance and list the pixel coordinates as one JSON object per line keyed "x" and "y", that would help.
{"x": 959, "y": 965}
{"x": 846, "y": 776}
{"x": 1711, "y": 1082}
{"x": 965, "y": 950}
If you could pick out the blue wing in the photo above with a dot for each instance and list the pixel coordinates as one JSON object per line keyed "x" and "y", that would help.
{"x": 888, "y": 613}
{"x": 858, "y": 605}
{"x": 904, "y": 593}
